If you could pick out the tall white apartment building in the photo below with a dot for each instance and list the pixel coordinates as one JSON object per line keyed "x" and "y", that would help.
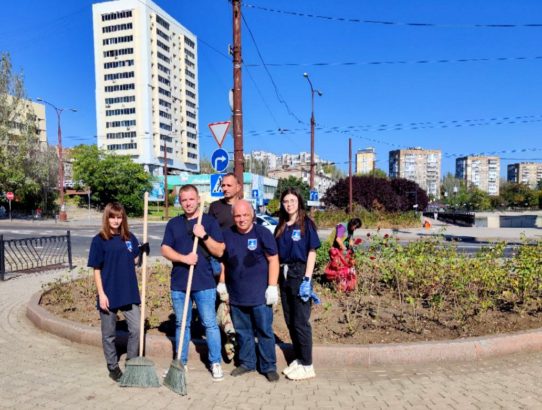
{"x": 365, "y": 160}
{"x": 479, "y": 171}
{"x": 419, "y": 165}
{"x": 146, "y": 85}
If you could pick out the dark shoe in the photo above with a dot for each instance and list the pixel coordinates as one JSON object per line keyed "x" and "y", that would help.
{"x": 115, "y": 373}
{"x": 272, "y": 376}
{"x": 238, "y": 371}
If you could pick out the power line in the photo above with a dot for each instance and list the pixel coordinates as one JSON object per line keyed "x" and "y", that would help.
{"x": 388, "y": 22}
{"x": 277, "y": 93}
{"x": 398, "y": 62}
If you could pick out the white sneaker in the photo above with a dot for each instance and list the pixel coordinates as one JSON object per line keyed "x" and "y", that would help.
{"x": 301, "y": 373}
{"x": 291, "y": 367}
{"x": 216, "y": 371}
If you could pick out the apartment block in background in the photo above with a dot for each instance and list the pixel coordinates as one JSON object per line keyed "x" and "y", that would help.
{"x": 479, "y": 171}
{"x": 528, "y": 173}
{"x": 146, "y": 85}
{"x": 419, "y": 165}
{"x": 365, "y": 160}
{"x": 27, "y": 113}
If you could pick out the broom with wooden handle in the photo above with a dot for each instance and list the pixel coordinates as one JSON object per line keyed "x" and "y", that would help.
{"x": 140, "y": 371}
{"x": 176, "y": 376}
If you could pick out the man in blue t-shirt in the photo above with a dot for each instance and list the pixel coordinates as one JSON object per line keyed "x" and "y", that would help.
{"x": 177, "y": 247}
{"x": 250, "y": 278}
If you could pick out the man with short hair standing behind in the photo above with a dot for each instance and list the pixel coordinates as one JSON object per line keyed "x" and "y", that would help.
{"x": 250, "y": 278}
{"x": 177, "y": 247}
{"x": 221, "y": 209}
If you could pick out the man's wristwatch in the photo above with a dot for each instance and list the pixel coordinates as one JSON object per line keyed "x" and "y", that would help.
{"x": 205, "y": 237}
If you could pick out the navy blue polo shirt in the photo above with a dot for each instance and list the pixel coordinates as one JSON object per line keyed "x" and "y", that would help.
{"x": 246, "y": 264}
{"x": 115, "y": 258}
{"x": 294, "y": 247}
{"x": 178, "y": 236}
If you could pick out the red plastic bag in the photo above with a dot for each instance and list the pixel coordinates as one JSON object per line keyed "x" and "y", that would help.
{"x": 341, "y": 270}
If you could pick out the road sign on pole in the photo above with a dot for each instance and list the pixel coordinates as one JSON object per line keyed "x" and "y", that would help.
{"x": 313, "y": 196}
{"x": 219, "y": 131}
{"x": 216, "y": 185}
{"x": 10, "y": 196}
{"x": 220, "y": 160}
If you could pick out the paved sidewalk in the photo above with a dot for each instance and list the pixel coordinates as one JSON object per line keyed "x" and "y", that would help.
{"x": 41, "y": 370}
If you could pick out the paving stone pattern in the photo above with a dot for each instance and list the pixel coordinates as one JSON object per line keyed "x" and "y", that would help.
{"x": 41, "y": 370}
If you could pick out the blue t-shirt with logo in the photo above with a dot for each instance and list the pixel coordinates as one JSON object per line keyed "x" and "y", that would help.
{"x": 115, "y": 258}
{"x": 178, "y": 236}
{"x": 294, "y": 247}
{"x": 246, "y": 264}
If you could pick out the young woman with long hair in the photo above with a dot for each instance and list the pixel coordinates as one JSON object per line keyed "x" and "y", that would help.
{"x": 297, "y": 241}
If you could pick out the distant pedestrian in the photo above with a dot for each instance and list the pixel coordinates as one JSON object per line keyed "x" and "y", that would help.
{"x": 113, "y": 254}
{"x": 297, "y": 240}
{"x": 250, "y": 279}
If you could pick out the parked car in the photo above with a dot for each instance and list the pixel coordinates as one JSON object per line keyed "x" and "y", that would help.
{"x": 268, "y": 221}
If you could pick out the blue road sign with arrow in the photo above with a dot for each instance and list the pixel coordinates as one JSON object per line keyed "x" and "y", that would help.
{"x": 220, "y": 160}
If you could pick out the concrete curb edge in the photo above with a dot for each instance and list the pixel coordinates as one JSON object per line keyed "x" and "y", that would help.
{"x": 323, "y": 355}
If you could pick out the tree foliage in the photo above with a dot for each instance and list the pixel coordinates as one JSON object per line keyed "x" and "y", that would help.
{"x": 293, "y": 182}
{"x": 374, "y": 193}
{"x": 26, "y": 166}
{"x": 111, "y": 177}
{"x": 517, "y": 195}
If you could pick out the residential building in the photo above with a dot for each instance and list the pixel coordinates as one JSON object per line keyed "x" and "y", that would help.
{"x": 479, "y": 171}
{"x": 419, "y": 165}
{"x": 27, "y": 113}
{"x": 146, "y": 85}
{"x": 322, "y": 181}
{"x": 529, "y": 173}
{"x": 365, "y": 160}
{"x": 260, "y": 159}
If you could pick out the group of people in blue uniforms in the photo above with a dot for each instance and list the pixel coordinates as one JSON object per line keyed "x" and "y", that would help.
{"x": 254, "y": 267}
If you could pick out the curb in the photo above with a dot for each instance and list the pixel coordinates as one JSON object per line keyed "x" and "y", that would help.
{"x": 467, "y": 349}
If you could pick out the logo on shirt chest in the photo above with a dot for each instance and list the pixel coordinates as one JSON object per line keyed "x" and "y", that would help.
{"x": 252, "y": 244}
{"x": 129, "y": 245}
{"x": 296, "y": 234}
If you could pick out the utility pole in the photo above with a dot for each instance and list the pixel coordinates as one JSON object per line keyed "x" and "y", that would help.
{"x": 166, "y": 199}
{"x": 350, "y": 176}
{"x": 238, "y": 160}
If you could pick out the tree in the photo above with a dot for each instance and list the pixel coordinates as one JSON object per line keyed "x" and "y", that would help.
{"x": 205, "y": 166}
{"x": 332, "y": 170}
{"x": 293, "y": 182}
{"x": 25, "y": 165}
{"x": 478, "y": 200}
{"x": 378, "y": 173}
{"x": 518, "y": 195}
{"x": 411, "y": 196}
{"x": 111, "y": 178}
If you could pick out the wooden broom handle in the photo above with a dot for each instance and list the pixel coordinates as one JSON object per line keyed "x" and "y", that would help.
{"x": 143, "y": 275}
{"x": 188, "y": 287}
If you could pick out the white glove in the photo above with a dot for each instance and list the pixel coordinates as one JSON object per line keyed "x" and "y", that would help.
{"x": 271, "y": 295}
{"x": 222, "y": 291}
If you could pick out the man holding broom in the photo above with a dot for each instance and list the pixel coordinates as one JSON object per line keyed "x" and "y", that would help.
{"x": 177, "y": 247}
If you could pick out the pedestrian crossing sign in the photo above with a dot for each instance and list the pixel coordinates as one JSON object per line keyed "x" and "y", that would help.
{"x": 216, "y": 185}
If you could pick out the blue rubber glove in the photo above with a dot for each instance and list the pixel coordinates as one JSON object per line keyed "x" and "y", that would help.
{"x": 315, "y": 298}
{"x": 305, "y": 289}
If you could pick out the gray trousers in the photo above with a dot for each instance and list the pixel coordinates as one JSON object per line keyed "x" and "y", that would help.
{"x": 109, "y": 325}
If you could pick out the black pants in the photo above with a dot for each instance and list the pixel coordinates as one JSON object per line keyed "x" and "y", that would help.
{"x": 297, "y": 313}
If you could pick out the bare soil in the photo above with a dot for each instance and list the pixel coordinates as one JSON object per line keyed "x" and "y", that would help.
{"x": 340, "y": 319}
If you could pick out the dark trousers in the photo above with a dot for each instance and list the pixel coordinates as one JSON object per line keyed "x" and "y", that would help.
{"x": 297, "y": 313}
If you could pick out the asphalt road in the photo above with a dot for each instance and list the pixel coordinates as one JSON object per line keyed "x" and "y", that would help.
{"x": 83, "y": 234}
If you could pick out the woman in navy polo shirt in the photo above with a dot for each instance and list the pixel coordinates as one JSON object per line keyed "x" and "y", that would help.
{"x": 297, "y": 241}
{"x": 112, "y": 255}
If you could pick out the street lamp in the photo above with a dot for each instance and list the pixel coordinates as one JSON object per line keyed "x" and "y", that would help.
{"x": 62, "y": 215}
{"x": 313, "y": 122}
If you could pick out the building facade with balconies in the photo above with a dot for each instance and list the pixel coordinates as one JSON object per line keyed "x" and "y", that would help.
{"x": 528, "y": 173}
{"x": 146, "y": 85}
{"x": 422, "y": 166}
{"x": 479, "y": 171}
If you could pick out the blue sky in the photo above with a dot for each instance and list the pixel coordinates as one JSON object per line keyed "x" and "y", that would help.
{"x": 404, "y": 85}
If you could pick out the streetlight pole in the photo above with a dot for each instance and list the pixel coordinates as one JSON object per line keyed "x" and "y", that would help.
{"x": 313, "y": 122}
{"x": 63, "y": 216}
